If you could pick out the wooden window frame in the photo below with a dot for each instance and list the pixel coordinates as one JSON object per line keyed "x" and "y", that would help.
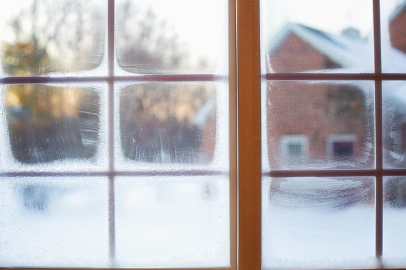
{"x": 110, "y": 80}
{"x": 245, "y": 122}
{"x": 249, "y": 133}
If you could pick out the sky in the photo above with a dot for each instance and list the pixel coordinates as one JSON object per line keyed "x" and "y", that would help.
{"x": 328, "y": 15}
{"x": 196, "y": 22}
{"x": 202, "y": 24}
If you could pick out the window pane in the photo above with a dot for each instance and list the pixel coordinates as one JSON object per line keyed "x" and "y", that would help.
{"x": 50, "y": 127}
{"x": 393, "y": 37}
{"x": 53, "y": 222}
{"x": 394, "y": 227}
{"x": 173, "y": 125}
{"x": 33, "y": 43}
{"x": 394, "y": 126}
{"x": 331, "y": 123}
{"x": 172, "y": 36}
{"x": 318, "y": 223}
{"x": 173, "y": 222}
{"x": 318, "y": 39}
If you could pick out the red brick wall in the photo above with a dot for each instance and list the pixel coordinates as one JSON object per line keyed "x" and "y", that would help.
{"x": 296, "y": 55}
{"x": 397, "y": 30}
{"x": 316, "y": 111}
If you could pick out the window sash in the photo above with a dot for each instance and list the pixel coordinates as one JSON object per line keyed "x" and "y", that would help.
{"x": 378, "y": 172}
{"x": 245, "y": 158}
{"x": 112, "y": 173}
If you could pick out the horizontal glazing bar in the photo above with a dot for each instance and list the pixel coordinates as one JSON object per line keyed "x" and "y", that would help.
{"x": 116, "y": 173}
{"x": 332, "y": 76}
{"x": 334, "y": 173}
{"x": 137, "y": 78}
{"x": 211, "y": 268}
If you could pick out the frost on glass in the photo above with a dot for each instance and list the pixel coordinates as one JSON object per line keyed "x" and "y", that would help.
{"x": 45, "y": 124}
{"x": 43, "y": 37}
{"x": 393, "y": 33}
{"x": 53, "y": 222}
{"x": 168, "y": 123}
{"x": 166, "y": 222}
{"x": 320, "y": 223}
{"x": 394, "y": 218}
{"x": 165, "y": 37}
{"x": 318, "y": 39}
{"x": 394, "y": 124}
{"x": 318, "y": 125}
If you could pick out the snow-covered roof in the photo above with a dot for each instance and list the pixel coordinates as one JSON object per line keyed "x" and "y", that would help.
{"x": 347, "y": 51}
{"x": 398, "y": 10}
{"x": 353, "y": 54}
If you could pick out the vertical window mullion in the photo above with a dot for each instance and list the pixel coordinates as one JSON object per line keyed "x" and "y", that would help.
{"x": 249, "y": 135}
{"x": 111, "y": 173}
{"x": 232, "y": 52}
{"x": 378, "y": 130}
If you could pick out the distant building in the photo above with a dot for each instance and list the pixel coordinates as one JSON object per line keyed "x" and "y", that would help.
{"x": 331, "y": 124}
{"x": 318, "y": 122}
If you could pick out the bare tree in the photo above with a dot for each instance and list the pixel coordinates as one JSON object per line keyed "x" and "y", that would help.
{"x": 146, "y": 44}
{"x": 66, "y": 41}
{"x": 73, "y": 39}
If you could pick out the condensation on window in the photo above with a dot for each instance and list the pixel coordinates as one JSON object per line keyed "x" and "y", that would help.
{"x": 32, "y": 44}
{"x": 321, "y": 223}
{"x": 336, "y": 118}
{"x": 52, "y": 126}
{"x": 53, "y": 222}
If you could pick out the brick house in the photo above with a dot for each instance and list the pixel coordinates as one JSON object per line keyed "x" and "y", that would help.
{"x": 395, "y": 91}
{"x": 330, "y": 124}
{"x": 325, "y": 123}
{"x": 397, "y": 29}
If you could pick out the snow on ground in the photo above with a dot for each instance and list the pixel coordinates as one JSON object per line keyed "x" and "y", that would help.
{"x": 181, "y": 222}
{"x": 160, "y": 222}
{"x": 319, "y": 235}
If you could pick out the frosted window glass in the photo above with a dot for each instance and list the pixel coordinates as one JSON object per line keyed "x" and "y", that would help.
{"x": 53, "y": 222}
{"x": 394, "y": 226}
{"x": 333, "y": 122}
{"x": 393, "y": 20}
{"x": 32, "y": 42}
{"x": 48, "y": 127}
{"x": 319, "y": 223}
{"x": 394, "y": 124}
{"x": 168, "y": 123}
{"x": 167, "y": 37}
{"x": 172, "y": 126}
{"x": 172, "y": 222}
{"x": 318, "y": 39}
